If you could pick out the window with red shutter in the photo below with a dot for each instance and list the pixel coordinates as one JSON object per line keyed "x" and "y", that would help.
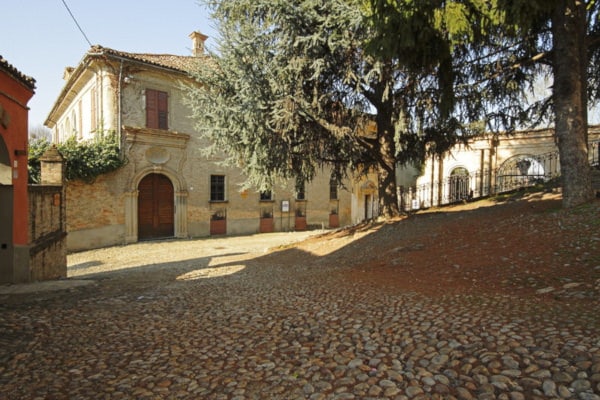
{"x": 163, "y": 111}
{"x": 157, "y": 109}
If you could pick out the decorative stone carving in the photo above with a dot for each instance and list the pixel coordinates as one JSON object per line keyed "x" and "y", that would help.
{"x": 157, "y": 155}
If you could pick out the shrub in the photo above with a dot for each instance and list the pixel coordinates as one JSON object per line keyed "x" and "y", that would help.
{"x": 84, "y": 160}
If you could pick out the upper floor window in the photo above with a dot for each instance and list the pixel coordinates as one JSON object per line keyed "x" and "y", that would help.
{"x": 67, "y": 131}
{"x": 93, "y": 113}
{"x": 217, "y": 188}
{"x": 266, "y": 195}
{"x": 79, "y": 122}
{"x": 73, "y": 130}
{"x": 157, "y": 109}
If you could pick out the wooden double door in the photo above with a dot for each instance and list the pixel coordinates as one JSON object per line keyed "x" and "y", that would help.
{"x": 156, "y": 207}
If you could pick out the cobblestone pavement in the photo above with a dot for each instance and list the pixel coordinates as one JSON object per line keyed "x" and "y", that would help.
{"x": 224, "y": 319}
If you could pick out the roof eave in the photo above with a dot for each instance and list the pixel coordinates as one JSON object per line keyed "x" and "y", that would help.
{"x": 50, "y": 121}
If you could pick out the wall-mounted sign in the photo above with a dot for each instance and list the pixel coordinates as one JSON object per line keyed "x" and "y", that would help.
{"x": 285, "y": 206}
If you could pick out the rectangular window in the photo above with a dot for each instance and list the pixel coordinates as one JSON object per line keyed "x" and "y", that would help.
{"x": 217, "y": 188}
{"x": 157, "y": 109}
{"x": 266, "y": 195}
{"x": 333, "y": 190}
{"x": 93, "y": 110}
{"x": 80, "y": 120}
{"x": 300, "y": 195}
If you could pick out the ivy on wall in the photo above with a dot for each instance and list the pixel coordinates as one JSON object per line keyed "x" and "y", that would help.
{"x": 85, "y": 160}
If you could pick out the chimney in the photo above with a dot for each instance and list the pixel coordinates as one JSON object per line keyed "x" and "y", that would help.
{"x": 67, "y": 73}
{"x": 198, "y": 40}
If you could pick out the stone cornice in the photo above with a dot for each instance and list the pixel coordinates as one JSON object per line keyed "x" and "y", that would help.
{"x": 155, "y": 137}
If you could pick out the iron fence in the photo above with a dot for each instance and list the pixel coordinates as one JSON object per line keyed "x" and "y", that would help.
{"x": 517, "y": 172}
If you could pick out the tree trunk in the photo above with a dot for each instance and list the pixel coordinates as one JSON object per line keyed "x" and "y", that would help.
{"x": 570, "y": 109}
{"x": 388, "y": 194}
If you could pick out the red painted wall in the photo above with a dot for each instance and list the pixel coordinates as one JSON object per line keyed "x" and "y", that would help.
{"x": 15, "y": 93}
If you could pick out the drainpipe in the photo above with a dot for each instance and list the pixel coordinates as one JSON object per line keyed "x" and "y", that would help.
{"x": 119, "y": 99}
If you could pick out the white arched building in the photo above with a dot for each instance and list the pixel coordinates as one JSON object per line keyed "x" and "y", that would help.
{"x": 487, "y": 165}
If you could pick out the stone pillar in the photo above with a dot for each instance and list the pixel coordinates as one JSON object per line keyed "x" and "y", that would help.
{"x": 482, "y": 169}
{"x": 440, "y": 180}
{"x": 131, "y": 220}
{"x": 52, "y": 167}
{"x": 48, "y": 252}
{"x": 181, "y": 228}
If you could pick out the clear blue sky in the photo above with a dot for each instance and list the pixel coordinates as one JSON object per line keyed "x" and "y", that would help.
{"x": 40, "y": 39}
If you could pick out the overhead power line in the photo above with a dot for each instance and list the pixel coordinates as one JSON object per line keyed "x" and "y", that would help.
{"x": 77, "y": 23}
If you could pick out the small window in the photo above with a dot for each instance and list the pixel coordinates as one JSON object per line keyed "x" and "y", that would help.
{"x": 74, "y": 122}
{"x": 300, "y": 194}
{"x": 68, "y": 130}
{"x": 266, "y": 195}
{"x": 217, "y": 188}
{"x": 333, "y": 190}
{"x": 157, "y": 109}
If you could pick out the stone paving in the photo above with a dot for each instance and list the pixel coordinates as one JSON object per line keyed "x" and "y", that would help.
{"x": 226, "y": 320}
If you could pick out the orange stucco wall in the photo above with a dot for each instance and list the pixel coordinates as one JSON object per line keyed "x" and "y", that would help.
{"x": 14, "y": 96}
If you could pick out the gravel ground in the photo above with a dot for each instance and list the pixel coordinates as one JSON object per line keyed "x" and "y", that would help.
{"x": 230, "y": 319}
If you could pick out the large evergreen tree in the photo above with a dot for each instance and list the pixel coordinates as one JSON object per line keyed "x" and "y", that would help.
{"x": 565, "y": 34}
{"x": 498, "y": 49}
{"x": 295, "y": 86}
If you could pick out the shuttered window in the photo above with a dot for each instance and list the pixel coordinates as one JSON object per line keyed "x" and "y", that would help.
{"x": 157, "y": 109}
{"x": 93, "y": 124}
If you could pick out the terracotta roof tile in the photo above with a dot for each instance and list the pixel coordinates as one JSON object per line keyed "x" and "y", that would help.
{"x": 179, "y": 63}
{"x": 26, "y": 80}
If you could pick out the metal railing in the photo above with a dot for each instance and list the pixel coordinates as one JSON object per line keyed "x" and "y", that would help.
{"x": 517, "y": 172}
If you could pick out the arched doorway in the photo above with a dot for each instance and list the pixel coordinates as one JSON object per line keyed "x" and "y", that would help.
{"x": 523, "y": 170}
{"x": 459, "y": 185}
{"x": 6, "y": 215}
{"x": 156, "y": 209}
{"x": 369, "y": 199}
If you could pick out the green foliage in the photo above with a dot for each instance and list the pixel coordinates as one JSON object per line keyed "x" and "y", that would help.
{"x": 275, "y": 101}
{"x": 488, "y": 55}
{"x": 294, "y": 88}
{"x": 84, "y": 160}
{"x": 37, "y": 147}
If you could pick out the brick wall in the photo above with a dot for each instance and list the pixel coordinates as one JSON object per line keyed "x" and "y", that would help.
{"x": 96, "y": 212}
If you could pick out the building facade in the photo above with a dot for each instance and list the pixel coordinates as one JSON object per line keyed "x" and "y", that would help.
{"x": 168, "y": 188}
{"x": 487, "y": 165}
{"x": 32, "y": 217}
{"x": 16, "y": 89}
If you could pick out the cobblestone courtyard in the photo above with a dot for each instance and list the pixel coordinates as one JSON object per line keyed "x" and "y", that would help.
{"x": 498, "y": 302}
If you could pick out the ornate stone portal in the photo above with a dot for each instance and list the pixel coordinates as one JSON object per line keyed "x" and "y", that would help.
{"x": 154, "y": 151}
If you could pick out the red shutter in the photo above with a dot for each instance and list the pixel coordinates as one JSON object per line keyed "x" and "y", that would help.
{"x": 157, "y": 109}
{"x": 151, "y": 109}
{"x": 163, "y": 110}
